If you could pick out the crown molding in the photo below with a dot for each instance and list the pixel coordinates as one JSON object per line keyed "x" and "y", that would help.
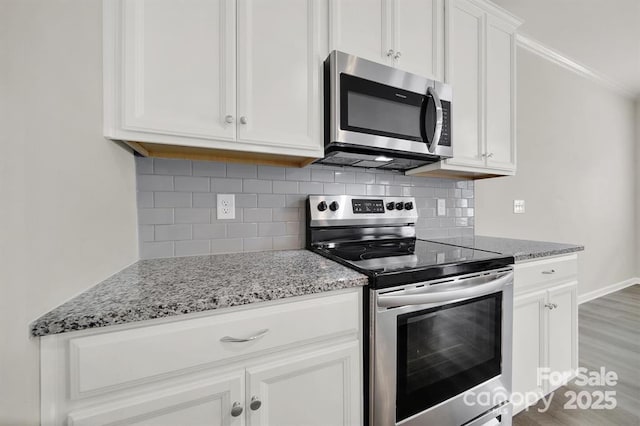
{"x": 558, "y": 58}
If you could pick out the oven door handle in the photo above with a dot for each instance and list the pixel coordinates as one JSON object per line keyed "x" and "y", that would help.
{"x": 391, "y": 301}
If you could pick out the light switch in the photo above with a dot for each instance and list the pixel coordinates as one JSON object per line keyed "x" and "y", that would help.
{"x": 518, "y": 206}
{"x": 442, "y": 207}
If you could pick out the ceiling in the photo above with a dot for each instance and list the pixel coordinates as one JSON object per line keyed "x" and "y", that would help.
{"x": 604, "y": 35}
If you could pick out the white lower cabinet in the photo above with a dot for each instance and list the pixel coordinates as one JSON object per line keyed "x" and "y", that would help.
{"x": 545, "y": 327}
{"x": 303, "y": 368}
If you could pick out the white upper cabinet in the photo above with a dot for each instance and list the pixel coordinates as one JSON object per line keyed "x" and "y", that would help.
{"x": 279, "y": 100}
{"x": 170, "y": 77}
{"x": 407, "y": 34}
{"x": 480, "y": 66}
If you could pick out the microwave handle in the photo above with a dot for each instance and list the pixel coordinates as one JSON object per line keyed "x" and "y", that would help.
{"x": 438, "y": 130}
{"x": 391, "y": 301}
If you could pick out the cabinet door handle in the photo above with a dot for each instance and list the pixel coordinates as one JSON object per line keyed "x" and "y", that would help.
{"x": 255, "y": 403}
{"x": 490, "y": 155}
{"x": 229, "y": 119}
{"x": 549, "y": 272}
{"x": 243, "y": 120}
{"x": 550, "y": 306}
{"x": 259, "y": 334}
{"x": 397, "y": 55}
{"x": 236, "y": 409}
{"x": 390, "y": 52}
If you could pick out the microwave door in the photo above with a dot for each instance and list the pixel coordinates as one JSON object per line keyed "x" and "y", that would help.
{"x": 431, "y": 119}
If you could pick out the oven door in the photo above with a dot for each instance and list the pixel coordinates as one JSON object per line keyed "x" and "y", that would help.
{"x": 441, "y": 352}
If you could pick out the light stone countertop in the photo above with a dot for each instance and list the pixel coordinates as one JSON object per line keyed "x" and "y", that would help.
{"x": 160, "y": 288}
{"x": 521, "y": 250}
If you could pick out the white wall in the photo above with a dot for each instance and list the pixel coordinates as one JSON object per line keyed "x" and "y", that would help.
{"x": 67, "y": 212}
{"x": 637, "y": 166}
{"x": 576, "y": 172}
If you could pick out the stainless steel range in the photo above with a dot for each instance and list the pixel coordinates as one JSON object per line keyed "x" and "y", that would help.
{"x": 438, "y": 316}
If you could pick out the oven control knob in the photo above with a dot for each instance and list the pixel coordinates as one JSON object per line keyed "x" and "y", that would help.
{"x": 334, "y": 206}
{"x": 408, "y": 206}
{"x": 390, "y": 206}
{"x": 322, "y": 206}
{"x": 399, "y": 206}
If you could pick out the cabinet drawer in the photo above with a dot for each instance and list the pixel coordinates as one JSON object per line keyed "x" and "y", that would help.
{"x": 114, "y": 360}
{"x": 540, "y": 272}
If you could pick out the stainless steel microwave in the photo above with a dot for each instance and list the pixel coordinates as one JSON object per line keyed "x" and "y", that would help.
{"x": 379, "y": 116}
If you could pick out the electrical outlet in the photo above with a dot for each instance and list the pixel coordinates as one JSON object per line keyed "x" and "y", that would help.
{"x": 518, "y": 206}
{"x": 442, "y": 207}
{"x": 226, "y": 206}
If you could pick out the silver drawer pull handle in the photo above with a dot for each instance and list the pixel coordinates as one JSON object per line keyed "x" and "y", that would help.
{"x": 236, "y": 409}
{"x": 259, "y": 334}
{"x": 549, "y": 272}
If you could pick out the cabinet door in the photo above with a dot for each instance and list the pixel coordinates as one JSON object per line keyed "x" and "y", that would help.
{"x": 466, "y": 75}
{"x": 418, "y": 30}
{"x": 206, "y": 402}
{"x": 279, "y": 64}
{"x": 563, "y": 329}
{"x": 501, "y": 149}
{"x": 361, "y": 28}
{"x": 178, "y": 67}
{"x": 316, "y": 389}
{"x": 528, "y": 346}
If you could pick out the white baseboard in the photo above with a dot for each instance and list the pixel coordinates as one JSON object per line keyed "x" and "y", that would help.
{"x": 606, "y": 290}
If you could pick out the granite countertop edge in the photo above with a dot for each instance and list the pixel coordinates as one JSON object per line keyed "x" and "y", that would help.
{"x": 325, "y": 276}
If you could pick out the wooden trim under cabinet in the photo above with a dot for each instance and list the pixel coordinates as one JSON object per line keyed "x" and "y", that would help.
{"x": 210, "y": 154}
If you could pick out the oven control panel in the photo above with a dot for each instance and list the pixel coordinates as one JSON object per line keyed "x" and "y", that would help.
{"x": 336, "y": 210}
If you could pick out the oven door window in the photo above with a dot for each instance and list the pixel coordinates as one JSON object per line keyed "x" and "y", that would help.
{"x": 444, "y": 351}
{"x": 377, "y": 109}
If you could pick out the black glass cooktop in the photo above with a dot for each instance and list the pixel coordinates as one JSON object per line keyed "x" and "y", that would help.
{"x": 401, "y": 261}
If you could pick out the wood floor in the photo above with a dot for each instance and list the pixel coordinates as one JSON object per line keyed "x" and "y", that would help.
{"x": 609, "y": 336}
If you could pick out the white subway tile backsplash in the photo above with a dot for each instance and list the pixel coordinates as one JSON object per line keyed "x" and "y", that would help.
{"x": 247, "y": 200}
{"x": 285, "y": 214}
{"x": 271, "y": 173}
{"x": 172, "y": 199}
{"x": 172, "y": 232}
{"x": 285, "y": 187}
{"x": 271, "y": 229}
{"x": 155, "y": 183}
{"x": 242, "y": 170}
{"x": 288, "y": 242}
{"x": 298, "y": 174}
{"x": 177, "y": 204}
{"x": 192, "y": 215}
{"x": 165, "y": 166}
{"x": 209, "y": 168}
{"x": 204, "y": 200}
{"x": 191, "y": 184}
{"x": 145, "y": 200}
{"x": 258, "y": 244}
{"x": 271, "y": 200}
{"x": 255, "y": 186}
{"x": 242, "y": 230}
{"x": 321, "y": 175}
{"x": 334, "y": 188}
{"x": 144, "y": 165}
{"x": 227, "y": 245}
{"x": 226, "y": 185}
{"x": 155, "y": 216}
{"x": 258, "y": 215}
{"x": 209, "y": 231}
{"x": 192, "y": 248}
{"x": 153, "y": 250}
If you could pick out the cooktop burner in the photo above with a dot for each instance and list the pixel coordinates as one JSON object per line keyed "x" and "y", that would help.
{"x": 376, "y": 236}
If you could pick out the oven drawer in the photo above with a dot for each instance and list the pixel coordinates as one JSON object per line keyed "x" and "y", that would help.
{"x": 535, "y": 274}
{"x": 120, "y": 359}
